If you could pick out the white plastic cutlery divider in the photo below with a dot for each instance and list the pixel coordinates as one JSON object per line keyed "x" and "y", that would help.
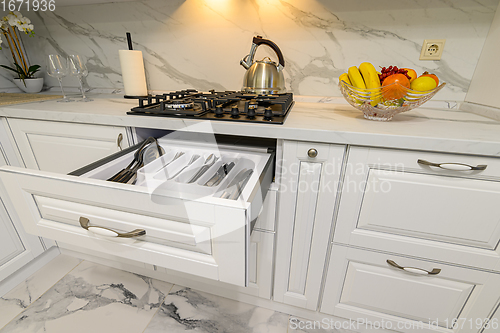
{"x": 158, "y": 173}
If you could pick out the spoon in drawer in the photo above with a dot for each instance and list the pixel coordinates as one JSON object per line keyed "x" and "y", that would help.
{"x": 191, "y": 161}
{"x": 211, "y": 159}
{"x": 138, "y": 158}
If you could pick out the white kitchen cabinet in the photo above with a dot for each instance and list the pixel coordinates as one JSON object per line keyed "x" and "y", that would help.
{"x": 308, "y": 186}
{"x": 362, "y": 285}
{"x": 16, "y": 247}
{"x": 64, "y": 147}
{"x": 391, "y": 202}
{"x": 493, "y": 323}
{"x": 177, "y": 226}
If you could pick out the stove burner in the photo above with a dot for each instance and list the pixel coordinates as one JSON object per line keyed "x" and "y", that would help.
{"x": 223, "y": 105}
{"x": 177, "y": 104}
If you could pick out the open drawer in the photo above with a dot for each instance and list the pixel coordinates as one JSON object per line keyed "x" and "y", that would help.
{"x": 188, "y": 227}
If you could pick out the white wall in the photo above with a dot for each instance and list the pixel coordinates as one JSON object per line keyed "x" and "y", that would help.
{"x": 484, "y": 87}
{"x": 199, "y": 43}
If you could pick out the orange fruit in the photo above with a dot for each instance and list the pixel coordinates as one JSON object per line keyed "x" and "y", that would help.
{"x": 411, "y": 73}
{"x": 394, "y": 86}
{"x": 433, "y": 76}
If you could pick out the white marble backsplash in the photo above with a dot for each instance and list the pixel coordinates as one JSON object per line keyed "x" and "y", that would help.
{"x": 199, "y": 43}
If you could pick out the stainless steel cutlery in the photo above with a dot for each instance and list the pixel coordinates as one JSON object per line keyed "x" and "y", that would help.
{"x": 193, "y": 158}
{"x": 130, "y": 172}
{"x": 150, "y": 151}
{"x": 235, "y": 187}
{"x": 220, "y": 174}
{"x": 211, "y": 159}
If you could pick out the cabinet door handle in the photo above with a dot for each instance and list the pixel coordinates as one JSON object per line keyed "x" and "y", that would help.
{"x": 119, "y": 141}
{"x": 435, "y": 271}
{"x": 103, "y": 231}
{"x": 453, "y": 166}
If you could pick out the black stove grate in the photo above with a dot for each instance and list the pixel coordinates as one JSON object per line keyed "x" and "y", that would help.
{"x": 224, "y": 106}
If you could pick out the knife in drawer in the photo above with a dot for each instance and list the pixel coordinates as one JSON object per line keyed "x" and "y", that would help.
{"x": 236, "y": 186}
{"x": 220, "y": 174}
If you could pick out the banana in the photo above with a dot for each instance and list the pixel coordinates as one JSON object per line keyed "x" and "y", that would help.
{"x": 372, "y": 81}
{"x": 370, "y": 75}
{"x": 345, "y": 77}
{"x": 356, "y": 78}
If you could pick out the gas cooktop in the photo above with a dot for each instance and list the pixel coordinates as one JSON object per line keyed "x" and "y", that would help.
{"x": 225, "y": 106}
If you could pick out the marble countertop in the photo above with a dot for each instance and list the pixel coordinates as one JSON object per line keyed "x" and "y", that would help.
{"x": 437, "y": 127}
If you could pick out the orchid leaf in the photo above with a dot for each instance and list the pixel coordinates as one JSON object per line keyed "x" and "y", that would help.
{"x": 9, "y": 68}
{"x": 21, "y": 73}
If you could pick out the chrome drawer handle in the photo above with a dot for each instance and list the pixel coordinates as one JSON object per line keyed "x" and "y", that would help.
{"x": 435, "y": 271}
{"x": 453, "y": 166}
{"x": 119, "y": 141}
{"x": 103, "y": 231}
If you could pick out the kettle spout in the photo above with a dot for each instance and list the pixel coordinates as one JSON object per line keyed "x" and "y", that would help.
{"x": 244, "y": 62}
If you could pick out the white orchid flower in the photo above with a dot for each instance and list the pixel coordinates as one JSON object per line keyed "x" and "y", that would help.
{"x": 25, "y": 27}
{"x": 13, "y": 21}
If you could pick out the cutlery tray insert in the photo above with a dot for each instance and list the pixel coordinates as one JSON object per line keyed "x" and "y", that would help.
{"x": 172, "y": 173}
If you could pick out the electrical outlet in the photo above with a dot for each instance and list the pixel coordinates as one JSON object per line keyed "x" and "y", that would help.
{"x": 432, "y": 49}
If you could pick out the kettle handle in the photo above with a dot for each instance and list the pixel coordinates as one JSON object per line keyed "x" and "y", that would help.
{"x": 258, "y": 40}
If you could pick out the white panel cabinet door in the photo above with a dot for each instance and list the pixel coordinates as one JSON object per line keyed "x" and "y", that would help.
{"x": 64, "y": 147}
{"x": 308, "y": 191}
{"x": 492, "y": 324}
{"x": 16, "y": 247}
{"x": 408, "y": 295}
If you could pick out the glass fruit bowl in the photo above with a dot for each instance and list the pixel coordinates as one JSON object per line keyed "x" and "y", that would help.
{"x": 384, "y": 102}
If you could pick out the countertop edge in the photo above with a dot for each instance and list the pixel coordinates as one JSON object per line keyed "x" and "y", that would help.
{"x": 344, "y": 137}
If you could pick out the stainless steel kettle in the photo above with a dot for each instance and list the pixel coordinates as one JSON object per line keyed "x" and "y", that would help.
{"x": 263, "y": 77}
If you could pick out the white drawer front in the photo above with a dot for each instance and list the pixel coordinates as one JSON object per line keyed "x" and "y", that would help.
{"x": 160, "y": 231}
{"x": 454, "y": 210}
{"x": 389, "y": 291}
{"x": 390, "y": 202}
{"x": 361, "y": 284}
{"x": 206, "y": 236}
{"x": 63, "y": 147}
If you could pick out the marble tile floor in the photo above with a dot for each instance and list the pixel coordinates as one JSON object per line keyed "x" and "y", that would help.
{"x": 70, "y": 295}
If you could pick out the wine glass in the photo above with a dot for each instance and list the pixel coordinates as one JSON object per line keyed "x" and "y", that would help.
{"x": 78, "y": 68}
{"x": 58, "y": 68}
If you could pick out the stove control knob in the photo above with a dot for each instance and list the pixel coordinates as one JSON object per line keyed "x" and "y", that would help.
{"x": 268, "y": 113}
{"x": 219, "y": 112}
{"x": 235, "y": 113}
{"x": 251, "y": 113}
